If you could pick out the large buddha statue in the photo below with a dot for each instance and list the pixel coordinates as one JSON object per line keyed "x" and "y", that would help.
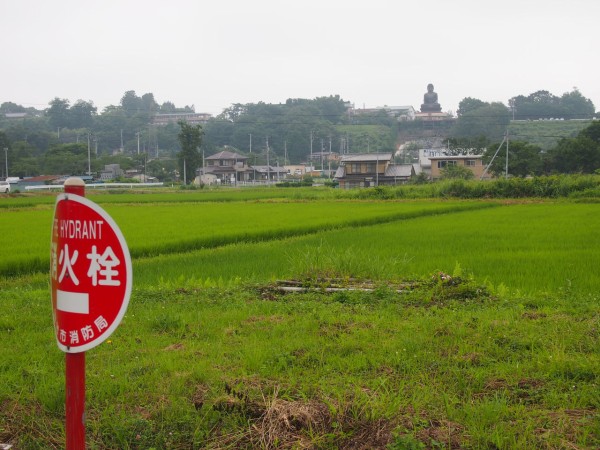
{"x": 430, "y": 101}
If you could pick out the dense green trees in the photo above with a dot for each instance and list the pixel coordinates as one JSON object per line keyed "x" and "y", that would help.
{"x": 577, "y": 155}
{"x": 190, "y": 139}
{"x": 10, "y": 108}
{"x": 62, "y": 115}
{"x": 524, "y": 159}
{"x": 469, "y": 104}
{"x": 544, "y": 105}
{"x": 66, "y": 159}
{"x": 481, "y": 119}
{"x": 300, "y": 126}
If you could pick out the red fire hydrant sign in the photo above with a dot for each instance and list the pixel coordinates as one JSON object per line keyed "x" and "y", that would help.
{"x": 90, "y": 269}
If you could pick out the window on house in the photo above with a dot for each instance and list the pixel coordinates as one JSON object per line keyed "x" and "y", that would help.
{"x": 370, "y": 167}
{"x": 355, "y": 168}
{"x": 444, "y": 164}
{"x": 470, "y": 162}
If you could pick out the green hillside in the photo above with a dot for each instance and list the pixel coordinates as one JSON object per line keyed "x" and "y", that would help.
{"x": 545, "y": 133}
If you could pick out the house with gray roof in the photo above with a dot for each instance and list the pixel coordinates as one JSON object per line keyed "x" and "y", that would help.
{"x": 226, "y": 167}
{"x": 371, "y": 169}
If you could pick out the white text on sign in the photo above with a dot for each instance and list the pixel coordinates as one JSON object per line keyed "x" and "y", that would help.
{"x": 80, "y": 229}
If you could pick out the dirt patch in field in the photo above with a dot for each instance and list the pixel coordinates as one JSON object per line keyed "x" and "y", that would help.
{"x": 524, "y": 390}
{"x": 173, "y": 347}
{"x": 375, "y": 435}
{"x": 442, "y": 433}
{"x": 567, "y": 424}
{"x": 17, "y": 420}
{"x": 285, "y": 424}
{"x": 533, "y": 315}
{"x": 281, "y": 423}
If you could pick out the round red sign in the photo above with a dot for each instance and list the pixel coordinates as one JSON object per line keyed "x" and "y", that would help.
{"x": 90, "y": 270}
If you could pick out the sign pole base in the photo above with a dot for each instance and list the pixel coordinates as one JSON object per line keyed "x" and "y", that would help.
{"x": 75, "y": 400}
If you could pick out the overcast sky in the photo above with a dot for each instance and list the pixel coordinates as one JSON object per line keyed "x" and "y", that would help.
{"x": 212, "y": 54}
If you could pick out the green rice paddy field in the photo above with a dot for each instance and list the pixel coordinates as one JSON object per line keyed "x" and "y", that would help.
{"x": 421, "y": 324}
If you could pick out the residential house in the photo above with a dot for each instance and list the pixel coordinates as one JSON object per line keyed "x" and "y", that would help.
{"x": 191, "y": 118}
{"x": 41, "y": 180}
{"x": 371, "y": 169}
{"x": 111, "y": 172}
{"x": 424, "y": 161}
{"x": 19, "y": 115}
{"x": 227, "y": 168}
{"x": 403, "y": 113}
{"x": 268, "y": 173}
{"x": 295, "y": 170}
{"x": 472, "y": 162}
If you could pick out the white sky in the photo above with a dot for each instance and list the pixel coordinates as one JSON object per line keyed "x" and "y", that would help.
{"x": 373, "y": 53}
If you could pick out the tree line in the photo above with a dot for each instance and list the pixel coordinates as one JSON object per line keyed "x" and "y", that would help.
{"x": 58, "y": 139}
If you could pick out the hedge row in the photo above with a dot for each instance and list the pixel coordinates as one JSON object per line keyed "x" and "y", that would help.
{"x": 556, "y": 186}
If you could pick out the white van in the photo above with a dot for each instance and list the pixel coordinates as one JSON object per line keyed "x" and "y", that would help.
{"x": 4, "y": 187}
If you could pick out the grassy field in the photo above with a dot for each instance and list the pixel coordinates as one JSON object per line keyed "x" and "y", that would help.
{"x": 458, "y": 324}
{"x": 166, "y": 227}
{"x": 522, "y": 248}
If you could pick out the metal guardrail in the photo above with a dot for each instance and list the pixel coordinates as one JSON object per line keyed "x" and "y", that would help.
{"x": 95, "y": 186}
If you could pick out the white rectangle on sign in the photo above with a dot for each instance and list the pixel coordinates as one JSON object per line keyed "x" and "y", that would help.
{"x": 73, "y": 302}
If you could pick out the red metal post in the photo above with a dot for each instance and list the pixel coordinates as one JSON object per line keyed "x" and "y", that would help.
{"x": 75, "y": 369}
{"x": 75, "y": 400}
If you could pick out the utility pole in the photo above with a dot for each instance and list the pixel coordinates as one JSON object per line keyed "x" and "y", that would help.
{"x": 268, "y": 166}
{"x": 322, "y": 151}
{"x": 89, "y": 158}
{"x": 6, "y": 156}
{"x": 155, "y": 140}
{"x": 138, "y": 140}
{"x": 285, "y": 153}
{"x": 506, "y": 167}
{"x": 250, "y": 143}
